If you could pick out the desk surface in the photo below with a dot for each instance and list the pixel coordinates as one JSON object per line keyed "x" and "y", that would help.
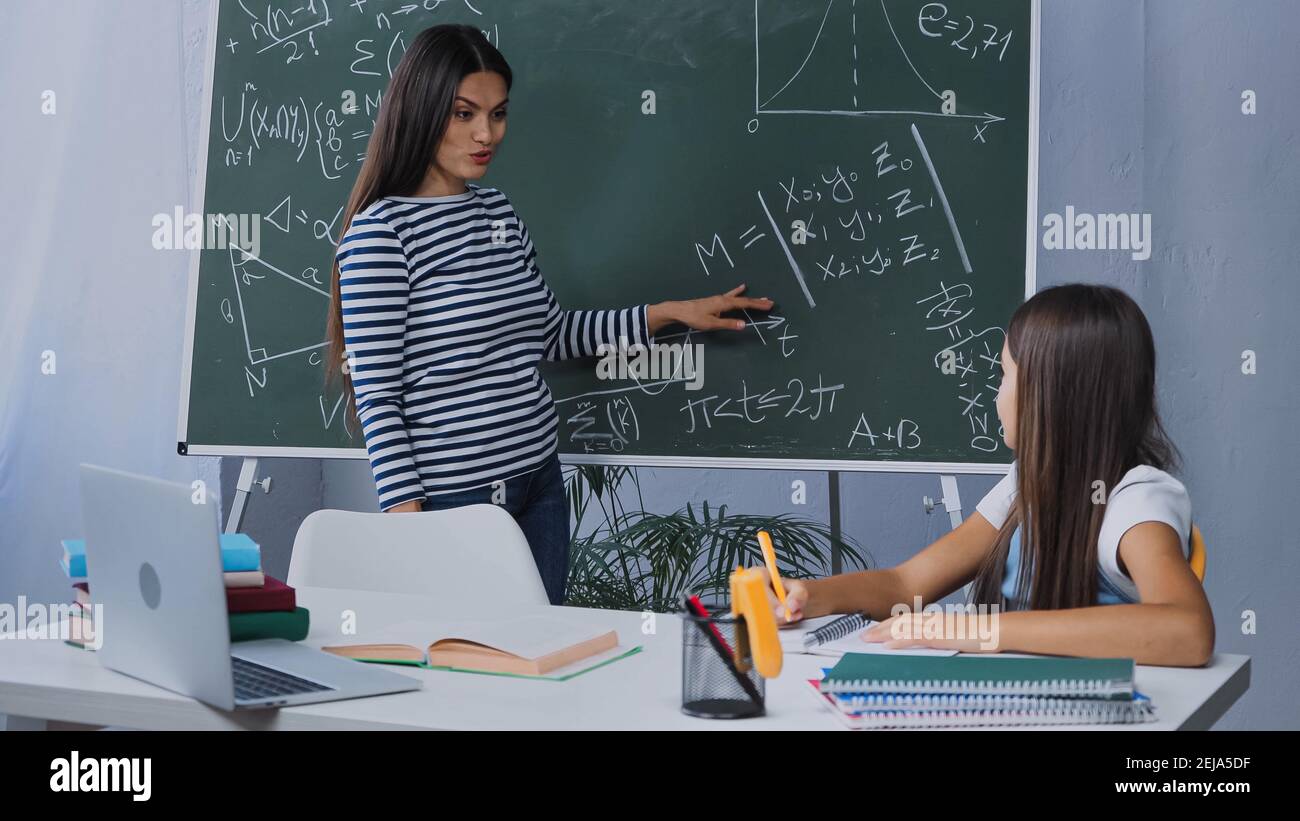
{"x": 52, "y": 680}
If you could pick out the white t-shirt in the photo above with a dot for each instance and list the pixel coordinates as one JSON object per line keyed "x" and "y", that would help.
{"x": 1145, "y": 494}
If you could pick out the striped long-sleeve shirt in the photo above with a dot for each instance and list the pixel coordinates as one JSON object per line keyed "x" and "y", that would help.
{"x": 445, "y": 317}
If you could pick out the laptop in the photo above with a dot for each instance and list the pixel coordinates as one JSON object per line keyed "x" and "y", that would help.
{"x": 155, "y": 560}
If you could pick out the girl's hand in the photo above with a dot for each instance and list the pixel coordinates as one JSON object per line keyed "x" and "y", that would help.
{"x": 797, "y": 594}
{"x": 704, "y": 314}
{"x": 966, "y": 633}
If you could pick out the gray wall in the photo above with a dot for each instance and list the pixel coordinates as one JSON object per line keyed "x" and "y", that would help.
{"x": 1225, "y": 190}
{"x": 1140, "y": 112}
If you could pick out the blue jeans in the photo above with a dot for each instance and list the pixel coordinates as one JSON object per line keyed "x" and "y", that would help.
{"x": 540, "y": 506}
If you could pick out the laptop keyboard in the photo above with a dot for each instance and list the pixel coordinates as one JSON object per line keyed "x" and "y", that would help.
{"x": 254, "y": 682}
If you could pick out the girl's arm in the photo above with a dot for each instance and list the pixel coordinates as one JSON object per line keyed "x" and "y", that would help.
{"x": 947, "y": 564}
{"x": 1173, "y": 625}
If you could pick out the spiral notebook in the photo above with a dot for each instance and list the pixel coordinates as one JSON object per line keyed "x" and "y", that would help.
{"x": 985, "y": 711}
{"x": 857, "y": 702}
{"x": 1048, "y": 676}
{"x": 835, "y": 636}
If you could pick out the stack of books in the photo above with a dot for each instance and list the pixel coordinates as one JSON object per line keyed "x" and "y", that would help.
{"x": 882, "y": 691}
{"x": 82, "y": 619}
{"x": 259, "y": 606}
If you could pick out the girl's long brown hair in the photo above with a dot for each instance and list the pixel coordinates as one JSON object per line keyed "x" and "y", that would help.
{"x": 1085, "y": 413}
{"x": 413, "y": 117}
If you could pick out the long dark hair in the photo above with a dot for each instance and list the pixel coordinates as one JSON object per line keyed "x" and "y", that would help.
{"x": 1085, "y": 412}
{"x": 413, "y": 116}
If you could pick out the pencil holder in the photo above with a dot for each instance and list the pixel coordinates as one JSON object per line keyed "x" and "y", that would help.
{"x": 712, "y": 684}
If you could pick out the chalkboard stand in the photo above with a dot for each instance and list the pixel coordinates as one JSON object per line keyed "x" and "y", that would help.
{"x": 951, "y": 502}
{"x": 833, "y": 488}
{"x": 243, "y": 487}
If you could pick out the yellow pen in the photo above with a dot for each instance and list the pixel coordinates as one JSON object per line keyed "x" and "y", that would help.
{"x": 769, "y": 556}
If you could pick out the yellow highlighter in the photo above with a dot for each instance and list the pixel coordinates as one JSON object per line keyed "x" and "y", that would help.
{"x": 769, "y": 556}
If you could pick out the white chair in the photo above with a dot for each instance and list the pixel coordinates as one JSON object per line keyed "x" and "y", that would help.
{"x": 468, "y": 558}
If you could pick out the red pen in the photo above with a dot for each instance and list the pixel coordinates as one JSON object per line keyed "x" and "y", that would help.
{"x": 697, "y": 608}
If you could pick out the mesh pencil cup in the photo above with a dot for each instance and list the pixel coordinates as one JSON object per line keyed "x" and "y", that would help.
{"x": 711, "y": 686}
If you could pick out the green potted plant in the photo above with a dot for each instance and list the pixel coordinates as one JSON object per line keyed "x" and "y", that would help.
{"x": 631, "y": 559}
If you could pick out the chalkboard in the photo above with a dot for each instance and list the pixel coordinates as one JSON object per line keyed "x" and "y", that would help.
{"x": 868, "y": 164}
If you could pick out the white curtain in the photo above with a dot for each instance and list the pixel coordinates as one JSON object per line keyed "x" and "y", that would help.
{"x": 82, "y": 291}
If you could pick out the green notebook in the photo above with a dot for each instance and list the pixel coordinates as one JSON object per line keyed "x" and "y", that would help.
{"x": 270, "y": 624}
{"x": 1046, "y": 676}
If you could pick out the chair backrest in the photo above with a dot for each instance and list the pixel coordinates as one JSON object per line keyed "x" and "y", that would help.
{"x": 466, "y": 558}
{"x": 1197, "y": 554}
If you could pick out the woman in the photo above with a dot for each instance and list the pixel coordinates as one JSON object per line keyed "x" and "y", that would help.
{"x": 440, "y": 315}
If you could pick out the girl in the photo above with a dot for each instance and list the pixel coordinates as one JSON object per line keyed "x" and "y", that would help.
{"x": 1085, "y": 540}
{"x": 440, "y": 315}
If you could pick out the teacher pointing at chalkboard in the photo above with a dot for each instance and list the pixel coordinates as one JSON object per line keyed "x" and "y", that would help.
{"x": 440, "y": 315}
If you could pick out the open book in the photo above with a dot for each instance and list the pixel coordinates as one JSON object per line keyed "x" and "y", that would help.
{"x": 522, "y": 645}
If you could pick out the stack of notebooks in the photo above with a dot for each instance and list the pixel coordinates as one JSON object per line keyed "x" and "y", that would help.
{"x": 259, "y": 606}
{"x": 883, "y": 692}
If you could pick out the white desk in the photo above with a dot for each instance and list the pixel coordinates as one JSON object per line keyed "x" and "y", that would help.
{"x": 43, "y": 680}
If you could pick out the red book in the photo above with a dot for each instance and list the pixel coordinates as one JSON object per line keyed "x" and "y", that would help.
{"x": 274, "y": 595}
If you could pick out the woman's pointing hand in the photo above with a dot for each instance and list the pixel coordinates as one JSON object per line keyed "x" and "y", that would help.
{"x": 705, "y": 314}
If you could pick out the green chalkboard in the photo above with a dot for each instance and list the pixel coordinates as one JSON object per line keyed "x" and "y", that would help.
{"x": 868, "y": 165}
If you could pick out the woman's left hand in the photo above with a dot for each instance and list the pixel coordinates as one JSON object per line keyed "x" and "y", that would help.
{"x": 966, "y": 633}
{"x": 705, "y": 314}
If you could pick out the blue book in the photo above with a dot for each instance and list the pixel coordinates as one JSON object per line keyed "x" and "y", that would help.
{"x": 238, "y": 553}
{"x": 74, "y": 558}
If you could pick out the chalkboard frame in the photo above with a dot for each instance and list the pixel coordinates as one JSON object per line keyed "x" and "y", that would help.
{"x": 185, "y": 447}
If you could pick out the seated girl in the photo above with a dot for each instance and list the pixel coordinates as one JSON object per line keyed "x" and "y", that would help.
{"x": 1084, "y": 545}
